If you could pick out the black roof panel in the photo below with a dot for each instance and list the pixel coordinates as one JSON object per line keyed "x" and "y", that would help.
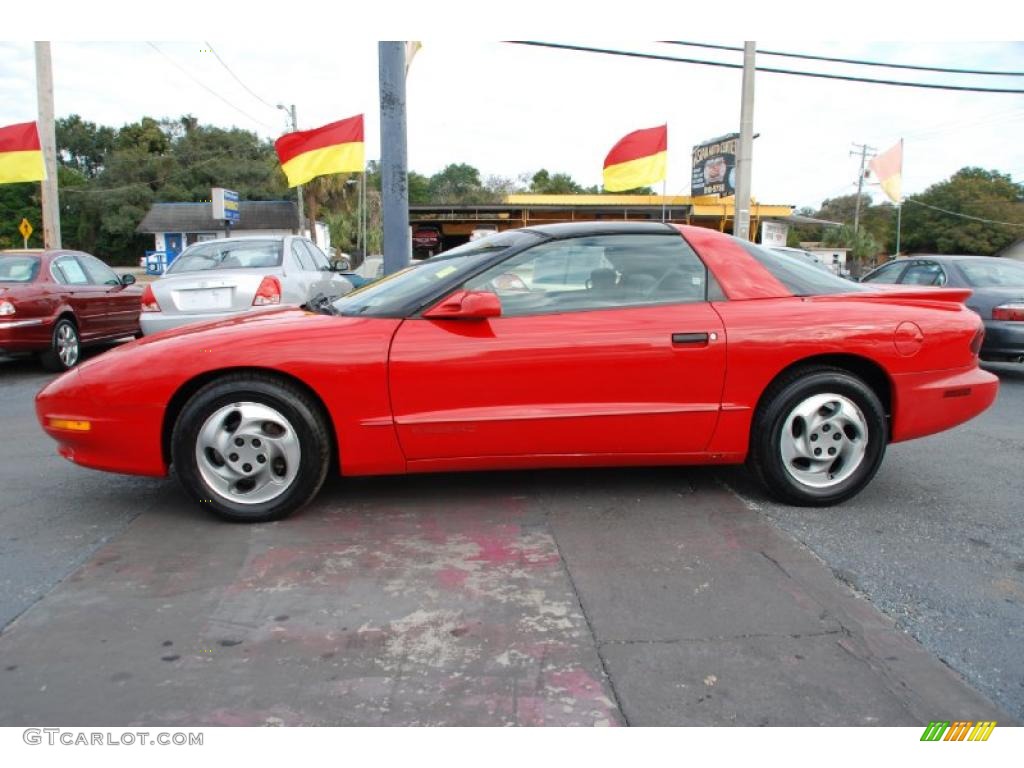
{"x": 584, "y": 228}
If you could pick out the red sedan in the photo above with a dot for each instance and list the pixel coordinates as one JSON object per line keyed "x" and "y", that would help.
{"x": 554, "y": 346}
{"x": 54, "y": 302}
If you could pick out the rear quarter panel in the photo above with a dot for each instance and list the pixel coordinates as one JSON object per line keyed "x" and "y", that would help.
{"x": 767, "y": 336}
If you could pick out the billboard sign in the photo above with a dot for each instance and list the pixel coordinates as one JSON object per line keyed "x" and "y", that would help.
{"x": 714, "y": 166}
{"x": 225, "y": 205}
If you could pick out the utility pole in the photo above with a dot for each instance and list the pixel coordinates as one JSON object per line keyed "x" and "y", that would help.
{"x": 741, "y": 204}
{"x": 864, "y": 154}
{"x": 48, "y": 143}
{"x": 394, "y": 174}
{"x": 298, "y": 189}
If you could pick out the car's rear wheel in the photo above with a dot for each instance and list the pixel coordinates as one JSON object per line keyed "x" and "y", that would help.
{"x": 818, "y": 437}
{"x": 65, "y": 347}
{"x": 251, "y": 448}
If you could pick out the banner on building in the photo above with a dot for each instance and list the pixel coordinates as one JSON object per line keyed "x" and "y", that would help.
{"x": 714, "y": 166}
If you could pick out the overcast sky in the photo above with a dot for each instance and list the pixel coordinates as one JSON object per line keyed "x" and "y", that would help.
{"x": 509, "y": 109}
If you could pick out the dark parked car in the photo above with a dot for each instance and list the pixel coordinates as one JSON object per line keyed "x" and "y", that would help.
{"x": 53, "y": 302}
{"x": 997, "y": 293}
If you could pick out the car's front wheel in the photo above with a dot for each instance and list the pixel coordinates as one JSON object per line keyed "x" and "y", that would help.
{"x": 818, "y": 437}
{"x": 251, "y": 448}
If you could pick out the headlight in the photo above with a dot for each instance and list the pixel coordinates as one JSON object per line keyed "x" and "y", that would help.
{"x": 6, "y": 308}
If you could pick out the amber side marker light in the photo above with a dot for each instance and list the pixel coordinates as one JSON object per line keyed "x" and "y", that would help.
{"x": 72, "y": 425}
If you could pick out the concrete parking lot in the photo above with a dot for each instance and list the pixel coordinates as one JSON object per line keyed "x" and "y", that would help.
{"x": 643, "y": 596}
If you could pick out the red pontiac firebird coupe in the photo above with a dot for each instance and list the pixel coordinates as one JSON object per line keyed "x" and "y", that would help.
{"x": 566, "y": 345}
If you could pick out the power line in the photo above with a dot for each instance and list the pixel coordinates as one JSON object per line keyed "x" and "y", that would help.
{"x": 208, "y": 89}
{"x": 238, "y": 79}
{"x": 861, "y": 62}
{"x": 659, "y": 57}
{"x": 962, "y": 215}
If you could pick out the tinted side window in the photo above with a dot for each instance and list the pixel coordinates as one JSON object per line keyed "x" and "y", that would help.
{"x": 69, "y": 272}
{"x": 302, "y": 256}
{"x": 600, "y": 272}
{"x": 799, "y": 277}
{"x": 924, "y": 273}
{"x": 890, "y": 273}
{"x": 99, "y": 273}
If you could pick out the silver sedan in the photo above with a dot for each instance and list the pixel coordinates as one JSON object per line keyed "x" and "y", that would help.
{"x": 216, "y": 279}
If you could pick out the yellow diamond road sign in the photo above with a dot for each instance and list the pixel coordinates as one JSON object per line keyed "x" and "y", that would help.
{"x": 25, "y": 228}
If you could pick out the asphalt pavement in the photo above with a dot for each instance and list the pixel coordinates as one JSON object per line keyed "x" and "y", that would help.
{"x": 640, "y": 596}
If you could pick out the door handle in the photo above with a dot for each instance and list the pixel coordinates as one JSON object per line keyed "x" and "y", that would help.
{"x": 690, "y": 339}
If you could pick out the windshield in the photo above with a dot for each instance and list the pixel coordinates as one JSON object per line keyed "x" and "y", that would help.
{"x": 18, "y": 268}
{"x": 228, "y": 254}
{"x": 393, "y": 293}
{"x": 800, "y": 277}
{"x": 992, "y": 273}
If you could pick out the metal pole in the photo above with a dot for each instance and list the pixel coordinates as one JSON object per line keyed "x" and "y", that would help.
{"x": 48, "y": 143}
{"x": 899, "y": 217}
{"x": 362, "y": 216}
{"x": 298, "y": 189}
{"x": 741, "y": 206}
{"x": 394, "y": 177}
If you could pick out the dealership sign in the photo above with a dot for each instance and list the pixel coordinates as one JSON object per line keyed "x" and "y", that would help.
{"x": 714, "y": 166}
{"x": 774, "y": 233}
{"x": 225, "y": 204}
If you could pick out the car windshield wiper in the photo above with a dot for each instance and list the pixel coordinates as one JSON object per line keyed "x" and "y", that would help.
{"x": 321, "y": 304}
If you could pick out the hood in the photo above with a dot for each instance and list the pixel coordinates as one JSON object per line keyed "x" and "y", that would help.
{"x": 233, "y": 337}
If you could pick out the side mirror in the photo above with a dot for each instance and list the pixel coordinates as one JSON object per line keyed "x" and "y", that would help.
{"x": 128, "y": 279}
{"x": 466, "y": 305}
{"x": 341, "y": 265}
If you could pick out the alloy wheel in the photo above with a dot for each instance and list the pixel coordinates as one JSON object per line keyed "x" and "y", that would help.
{"x": 67, "y": 345}
{"x": 824, "y": 440}
{"x": 248, "y": 453}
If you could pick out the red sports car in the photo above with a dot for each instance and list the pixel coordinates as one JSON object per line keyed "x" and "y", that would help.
{"x": 555, "y": 346}
{"x": 53, "y": 302}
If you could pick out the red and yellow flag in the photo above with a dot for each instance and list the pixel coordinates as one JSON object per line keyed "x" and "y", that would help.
{"x": 888, "y": 169}
{"x": 638, "y": 159}
{"x": 21, "y": 158}
{"x": 332, "y": 148}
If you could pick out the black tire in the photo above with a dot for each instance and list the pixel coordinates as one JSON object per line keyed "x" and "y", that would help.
{"x": 778, "y": 405}
{"x": 302, "y": 413}
{"x": 51, "y": 359}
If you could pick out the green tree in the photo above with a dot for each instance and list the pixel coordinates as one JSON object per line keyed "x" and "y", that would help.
{"x": 17, "y": 202}
{"x": 863, "y": 247}
{"x": 972, "y": 192}
{"x": 544, "y": 183}
{"x": 458, "y": 183}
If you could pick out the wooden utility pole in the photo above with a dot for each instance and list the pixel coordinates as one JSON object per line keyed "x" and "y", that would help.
{"x": 864, "y": 151}
{"x": 741, "y": 206}
{"x": 48, "y": 143}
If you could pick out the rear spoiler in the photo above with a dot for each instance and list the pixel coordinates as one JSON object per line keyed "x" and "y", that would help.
{"x": 901, "y": 294}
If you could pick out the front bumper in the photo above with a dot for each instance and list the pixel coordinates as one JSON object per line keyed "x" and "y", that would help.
{"x": 154, "y": 322}
{"x": 930, "y": 402}
{"x": 1003, "y": 340}
{"x": 116, "y": 440}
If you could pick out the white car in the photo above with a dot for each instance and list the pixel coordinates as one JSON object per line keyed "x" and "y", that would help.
{"x": 219, "y": 278}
